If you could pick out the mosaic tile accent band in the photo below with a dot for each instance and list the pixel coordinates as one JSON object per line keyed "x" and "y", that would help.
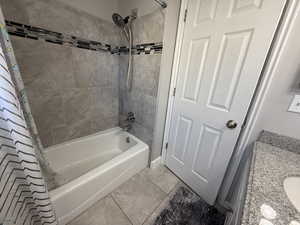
{"x": 36, "y": 33}
{"x": 149, "y": 48}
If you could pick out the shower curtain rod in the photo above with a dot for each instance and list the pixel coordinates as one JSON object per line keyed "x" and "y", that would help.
{"x": 161, "y": 3}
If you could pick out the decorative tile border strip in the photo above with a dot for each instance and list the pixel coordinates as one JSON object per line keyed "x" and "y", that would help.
{"x": 144, "y": 49}
{"x": 36, "y": 33}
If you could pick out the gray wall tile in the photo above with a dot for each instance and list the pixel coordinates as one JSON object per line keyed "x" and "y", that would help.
{"x": 72, "y": 92}
{"x": 146, "y": 69}
{"x": 13, "y": 9}
{"x": 149, "y": 28}
{"x": 75, "y": 92}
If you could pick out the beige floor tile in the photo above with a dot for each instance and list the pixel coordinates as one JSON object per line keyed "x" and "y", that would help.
{"x": 104, "y": 212}
{"x": 162, "y": 177}
{"x": 164, "y": 204}
{"x": 138, "y": 198}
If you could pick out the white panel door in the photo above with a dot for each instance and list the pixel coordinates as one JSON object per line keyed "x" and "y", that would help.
{"x": 224, "y": 47}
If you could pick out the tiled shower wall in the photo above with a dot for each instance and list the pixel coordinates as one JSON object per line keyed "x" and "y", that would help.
{"x": 142, "y": 99}
{"x": 76, "y": 92}
{"x": 72, "y": 92}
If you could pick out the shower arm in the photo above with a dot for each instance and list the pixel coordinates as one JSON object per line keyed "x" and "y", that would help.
{"x": 161, "y": 3}
{"x": 126, "y": 33}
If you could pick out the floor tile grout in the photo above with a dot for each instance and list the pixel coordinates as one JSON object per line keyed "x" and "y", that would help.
{"x": 167, "y": 196}
{"x": 115, "y": 201}
{"x": 156, "y": 184}
{"x": 148, "y": 217}
{"x": 160, "y": 202}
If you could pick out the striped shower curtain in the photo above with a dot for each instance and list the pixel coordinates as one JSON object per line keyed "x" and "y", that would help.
{"x": 24, "y": 197}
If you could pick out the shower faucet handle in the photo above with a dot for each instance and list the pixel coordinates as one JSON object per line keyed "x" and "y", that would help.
{"x": 130, "y": 117}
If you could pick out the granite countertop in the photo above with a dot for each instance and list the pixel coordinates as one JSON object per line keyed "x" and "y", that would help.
{"x": 270, "y": 166}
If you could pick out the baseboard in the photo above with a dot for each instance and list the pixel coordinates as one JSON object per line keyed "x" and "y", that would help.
{"x": 156, "y": 162}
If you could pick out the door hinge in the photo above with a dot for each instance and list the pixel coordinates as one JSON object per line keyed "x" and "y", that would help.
{"x": 174, "y": 91}
{"x": 185, "y": 15}
{"x": 167, "y": 145}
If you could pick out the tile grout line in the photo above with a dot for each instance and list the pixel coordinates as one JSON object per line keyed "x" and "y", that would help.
{"x": 115, "y": 201}
{"x": 148, "y": 179}
{"x": 152, "y": 182}
{"x": 168, "y": 195}
{"x": 159, "y": 186}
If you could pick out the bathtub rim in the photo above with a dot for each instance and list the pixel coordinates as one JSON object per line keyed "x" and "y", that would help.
{"x": 91, "y": 174}
{"x": 80, "y": 139}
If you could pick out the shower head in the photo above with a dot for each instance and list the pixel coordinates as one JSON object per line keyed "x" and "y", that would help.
{"x": 118, "y": 20}
{"x": 124, "y": 24}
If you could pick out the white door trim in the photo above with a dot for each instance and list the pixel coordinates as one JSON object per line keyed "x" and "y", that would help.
{"x": 262, "y": 88}
{"x": 174, "y": 75}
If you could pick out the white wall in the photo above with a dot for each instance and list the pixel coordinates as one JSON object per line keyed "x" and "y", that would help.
{"x": 274, "y": 115}
{"x": 144, "y": 6}
{"x": 100, "y": 8}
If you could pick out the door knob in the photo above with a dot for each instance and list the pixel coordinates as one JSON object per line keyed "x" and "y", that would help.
{"x": 231, "y": 124}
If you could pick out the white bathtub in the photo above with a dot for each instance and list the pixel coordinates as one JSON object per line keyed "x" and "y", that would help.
{"x": 91, "y": 167}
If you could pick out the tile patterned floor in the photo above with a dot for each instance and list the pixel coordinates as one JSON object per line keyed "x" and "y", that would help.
{"x": 136, "y": 202}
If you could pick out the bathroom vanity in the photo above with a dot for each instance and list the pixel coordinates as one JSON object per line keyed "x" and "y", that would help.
{"x": 271, "y": 196}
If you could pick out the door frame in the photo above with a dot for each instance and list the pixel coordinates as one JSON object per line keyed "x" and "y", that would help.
{"x": 174, "y": 75}
{"x": 266, "y": 77}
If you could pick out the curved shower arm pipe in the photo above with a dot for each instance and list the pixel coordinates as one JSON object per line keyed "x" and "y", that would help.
{"x": 161, "y": 3}
{"x": 126, "y": 33}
